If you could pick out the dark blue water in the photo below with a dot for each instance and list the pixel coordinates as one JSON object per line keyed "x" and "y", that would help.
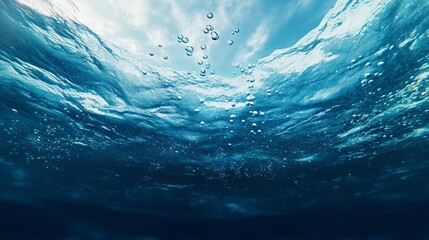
{"x": 327, "y": 139}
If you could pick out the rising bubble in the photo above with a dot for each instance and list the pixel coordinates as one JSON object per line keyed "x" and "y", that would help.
{"x": 230, "y": 42}
{"x": 203, "y": 47}
{"x": 214, "y": 35}
{"x": 209, "y": 15}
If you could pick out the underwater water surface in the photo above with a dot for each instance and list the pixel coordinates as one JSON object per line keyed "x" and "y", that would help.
{"x": 326, "y": 139}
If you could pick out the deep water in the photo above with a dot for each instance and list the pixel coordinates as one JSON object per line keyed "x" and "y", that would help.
{"x": 327, "y": 139}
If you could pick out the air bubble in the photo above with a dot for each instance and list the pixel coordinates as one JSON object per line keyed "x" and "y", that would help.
{"x": 202, "y": 123}
{"x": 185, "y": 39}
{"x": 160, "y": 45}
{"x": 165, "y": 57}
{"x": 189, "y": 49}
{"x": 208, "y": 65}
{"x": 197, "y": 110}
{"x": 210, "y": 27}
{"x": 206, "y": 31}
{"x": 205, "y": 56}
{"x": 151, "y": 54}
{"x": 209, "y": 15}
{"x": 200, "y": 62}
{"x": 144, "y": 73}
{"x": 214, "y": 36}
{"x": 212, "y": 72}
{"x": 230, "y": 42}
{"x": 236, "y": 30}
{"x": 203, "y": 47}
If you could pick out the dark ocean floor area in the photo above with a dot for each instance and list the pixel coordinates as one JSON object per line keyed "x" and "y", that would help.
{"x": 336, "y": 220}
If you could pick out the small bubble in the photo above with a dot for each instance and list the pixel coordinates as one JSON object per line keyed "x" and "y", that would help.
{"x": 209, "y": 15}
{"x": 200, "y": 62}
{"x": 206, "y": 31}
{"x": 185, "y": 39}
{"x": 197, "y": 110}
{"x": 230, "y": 42}
{"x": 144, "y": 73}
{"x": 203, "y": 70}
{"x": 237, "y": 30}
{"x": 180, "y": 37}
{"x": 151, "y": 54}
{"x": 210, "y": 27}
{"x": 202, "y": 100}
{"x": 203, "y": 47}
{"x": 189, "y": 49}
{"x": 380, "y": 63}
{"x": 205, "y": 56}
{"x": 165, "y": 57}
{"x": 214, "y": 36}
{"x": 212, "y": 72}
{"x": 208, "y": 65}
{"x": 202, "y": 123}
{"x": 160, "y": 45}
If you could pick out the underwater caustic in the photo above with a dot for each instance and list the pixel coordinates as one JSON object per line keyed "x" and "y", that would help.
{"x": 214, "y": 120}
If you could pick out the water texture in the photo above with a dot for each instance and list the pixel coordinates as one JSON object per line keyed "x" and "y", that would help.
{"x": 339, "y": 119}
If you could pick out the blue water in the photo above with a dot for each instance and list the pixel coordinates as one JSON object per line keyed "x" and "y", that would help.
{"x": 327, "y": 139}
